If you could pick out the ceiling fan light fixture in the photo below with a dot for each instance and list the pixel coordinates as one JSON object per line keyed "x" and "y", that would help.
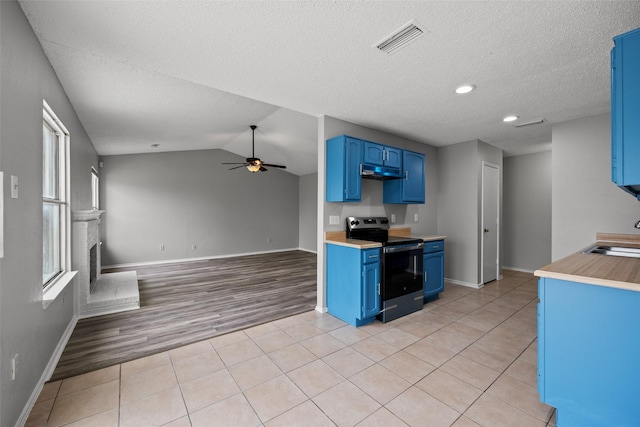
{"x": 253, "y": 167}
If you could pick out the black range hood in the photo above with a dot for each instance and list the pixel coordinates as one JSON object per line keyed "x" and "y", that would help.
{"x": 379, "y": 173}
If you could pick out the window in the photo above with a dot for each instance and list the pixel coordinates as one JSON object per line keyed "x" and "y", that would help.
{"x": 95, "y": 189}
{"x": 56, "y": 257}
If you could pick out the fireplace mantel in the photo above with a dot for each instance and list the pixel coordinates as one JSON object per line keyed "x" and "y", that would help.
{"x": 87, "y": 215}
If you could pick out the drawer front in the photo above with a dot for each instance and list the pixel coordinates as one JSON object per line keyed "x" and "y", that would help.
{"x": 434, "y": 246}
{"x": 370, "y": 255}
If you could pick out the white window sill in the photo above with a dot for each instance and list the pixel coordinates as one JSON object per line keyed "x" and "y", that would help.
{"x": 52, "y": 292}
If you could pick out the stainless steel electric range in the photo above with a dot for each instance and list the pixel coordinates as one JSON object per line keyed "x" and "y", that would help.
{"x": 401, "y": 284}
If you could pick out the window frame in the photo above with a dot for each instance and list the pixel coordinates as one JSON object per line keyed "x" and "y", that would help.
{"x": 54, "y": 285}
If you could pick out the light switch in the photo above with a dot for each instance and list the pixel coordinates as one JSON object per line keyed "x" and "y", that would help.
{"x": 334, "y": 219}
{"x": 415, "y": 217}
{"x": 393, "y": 217}
{"x": 14, "y": 187}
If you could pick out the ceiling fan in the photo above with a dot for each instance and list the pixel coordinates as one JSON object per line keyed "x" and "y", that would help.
{"x": 254, "y": 164}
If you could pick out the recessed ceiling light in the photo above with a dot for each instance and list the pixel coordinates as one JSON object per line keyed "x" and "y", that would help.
{"x": 510, "y": 119}
{"x": 465, "y": 89}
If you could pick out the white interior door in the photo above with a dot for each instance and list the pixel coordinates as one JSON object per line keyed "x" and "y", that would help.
{"x": 490, "y": 221}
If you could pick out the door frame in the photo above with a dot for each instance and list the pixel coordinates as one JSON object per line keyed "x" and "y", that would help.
{"x": 482, "y": 234}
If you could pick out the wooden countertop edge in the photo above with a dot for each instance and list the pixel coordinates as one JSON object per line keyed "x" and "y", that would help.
{"x": 354, "y": 243}
{"x": 338, "y": 238}
{"x": 588, "y": 280}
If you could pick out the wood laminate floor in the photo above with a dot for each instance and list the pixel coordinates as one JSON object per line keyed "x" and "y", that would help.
{"x": 181, "y": 303}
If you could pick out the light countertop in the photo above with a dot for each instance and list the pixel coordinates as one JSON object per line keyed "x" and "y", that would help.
{"x": 339, "y": 238}
{"x": 598, "y": 269}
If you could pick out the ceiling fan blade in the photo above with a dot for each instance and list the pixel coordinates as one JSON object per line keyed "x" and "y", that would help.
{"x": 235, "y": 163}
{"x": 263, "y": 169}
{"x": 236, "y": 167}
{"x": 274, "y": 166}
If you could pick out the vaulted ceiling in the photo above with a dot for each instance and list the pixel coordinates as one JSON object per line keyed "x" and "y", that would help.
{"x": 189, "y": 75}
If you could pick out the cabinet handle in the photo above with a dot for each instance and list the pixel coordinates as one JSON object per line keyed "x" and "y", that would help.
{"x": 426, "y": 274}
{"x": 378, "y": 288}
{"x": 406, "y": 175}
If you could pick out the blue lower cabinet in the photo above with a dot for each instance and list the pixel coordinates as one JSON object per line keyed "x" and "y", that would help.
{"x": 588, "y": 351}
{"x": 353, "y": 283}
{"x": 433, "y": 269}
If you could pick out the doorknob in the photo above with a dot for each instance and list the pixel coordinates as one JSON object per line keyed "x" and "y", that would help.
{"x": 486, "y": 230}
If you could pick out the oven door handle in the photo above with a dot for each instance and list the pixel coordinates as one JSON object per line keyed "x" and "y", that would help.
{"x": 403, "y": 248}
{"x": 415, "y": 266}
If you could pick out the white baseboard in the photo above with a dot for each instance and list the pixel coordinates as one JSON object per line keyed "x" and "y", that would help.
{"x": 467, "y": 284}
{"x": 308, "y": 250}
{"x": 523, "y": 270}
{"x": 48, "y": 371}
{"x": 170, "y": 261}
{"x": 321, "y": 309}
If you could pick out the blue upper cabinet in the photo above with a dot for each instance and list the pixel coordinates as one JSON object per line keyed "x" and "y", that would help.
{"x": 625, "y": 112}
{"x": 409, "y": 189}
{"x": 381, "y": 155}
{"x": 343, "y": 159}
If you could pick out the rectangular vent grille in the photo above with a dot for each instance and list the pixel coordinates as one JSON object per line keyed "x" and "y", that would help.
{"x": 530, "y": 123}
{"x": 400, "y": 38}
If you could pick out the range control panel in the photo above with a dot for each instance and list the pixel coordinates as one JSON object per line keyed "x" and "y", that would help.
{"x": 362, "y": 223}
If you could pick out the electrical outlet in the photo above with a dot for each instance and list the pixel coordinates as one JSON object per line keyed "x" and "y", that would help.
{"x": 14, "y": 187}
{"x": 161, "y": 247}
{"x": 14, "y": 367}
{"x": 334, "y": 219}
{"x": 415, "y": 217}
{"x": 268, "y": 239}
{"x": 393, "y": 217}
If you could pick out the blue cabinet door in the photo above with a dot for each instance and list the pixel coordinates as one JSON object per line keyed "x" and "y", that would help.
{"x": 373, "y": 153}
{"x": 381, "y": 155}
{"x": 588, "y": 353}
{"x": 370, "y": 290}
{"x": 433, "y": 269}
{"x": 625, "y": 112}
{"x": 433, "y": 274}
{"x": 343, "y": 157}
{"x": 409, "y": 189}
{"x": 393, "y": 157}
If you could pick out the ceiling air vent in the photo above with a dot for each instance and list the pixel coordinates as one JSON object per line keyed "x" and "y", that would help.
{"x": 401, "y": 37}
{"x": 531, "y": 122}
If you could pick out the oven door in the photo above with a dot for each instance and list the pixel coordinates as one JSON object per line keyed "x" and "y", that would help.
{"x": 402, "y": 270}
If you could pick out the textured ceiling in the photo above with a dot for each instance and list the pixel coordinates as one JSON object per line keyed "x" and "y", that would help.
{"x": 195, "y": 75}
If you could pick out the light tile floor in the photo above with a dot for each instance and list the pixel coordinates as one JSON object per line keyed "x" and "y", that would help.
{"x": 467, "y": 359}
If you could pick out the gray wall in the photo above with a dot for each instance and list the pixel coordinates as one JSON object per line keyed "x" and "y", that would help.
{"x": 26, "y": 78}
{"x": 459, "y": 206}
{"x": 585, "y": 201}
{"x": 181, "y": 199}
{"x": 308, "y": 195}
{"x": 527, "y": 211}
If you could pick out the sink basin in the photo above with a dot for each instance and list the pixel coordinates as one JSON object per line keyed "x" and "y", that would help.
{"x": 613, "y": 251}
